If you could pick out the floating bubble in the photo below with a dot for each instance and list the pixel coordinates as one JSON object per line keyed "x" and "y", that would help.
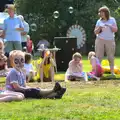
{"x": 33, "y": 27}
{"x": 56, "y": 14}
{"x": 70, "y": 9}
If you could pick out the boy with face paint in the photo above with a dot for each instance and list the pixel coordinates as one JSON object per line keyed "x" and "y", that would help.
{"x": 16, "y": 81}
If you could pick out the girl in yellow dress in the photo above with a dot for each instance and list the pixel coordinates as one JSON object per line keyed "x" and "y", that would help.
{"x": 47, "y": 65}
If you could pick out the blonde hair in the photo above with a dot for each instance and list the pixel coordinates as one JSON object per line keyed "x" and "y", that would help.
{"x": 10, "y": 6}
{"x": 90, "y": 54}
{"x": 13, "y": 54}
{"x": 77, "y": 55}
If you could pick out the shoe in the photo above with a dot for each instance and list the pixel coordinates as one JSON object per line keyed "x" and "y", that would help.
{"x": 57, "y": 87}
{"x": 60, "y": 93}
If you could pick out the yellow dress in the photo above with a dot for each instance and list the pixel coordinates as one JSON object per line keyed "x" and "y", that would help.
{"x": 46, "y": 68}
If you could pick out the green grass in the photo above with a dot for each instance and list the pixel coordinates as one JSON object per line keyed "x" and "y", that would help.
{"x": 95, "y": 100}
{"x": 91, "y": 101}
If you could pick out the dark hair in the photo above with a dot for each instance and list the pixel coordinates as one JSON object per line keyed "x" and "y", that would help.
{"x": 28, "y": 57}
{"x": 106, "y": 10}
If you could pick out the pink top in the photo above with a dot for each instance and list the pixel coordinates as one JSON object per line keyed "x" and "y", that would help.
{"x": 96, "y": 67}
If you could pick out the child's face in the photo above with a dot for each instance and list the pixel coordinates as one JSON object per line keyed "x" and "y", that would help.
{"x": 19, "y": 61}
{"x": 77, "y": 60}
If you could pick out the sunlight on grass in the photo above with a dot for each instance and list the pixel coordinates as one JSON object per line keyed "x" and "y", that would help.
{"x": 82, "y": 101}
{"x": 59, "y": 76}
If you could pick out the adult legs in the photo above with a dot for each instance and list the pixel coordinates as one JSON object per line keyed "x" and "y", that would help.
{"x": 17, "y": 45}
{"x": 8, "y": 48}
{"x": 110, "y": 51}
{"x": 24, "y": 44}
{"x": 99, "y": 49}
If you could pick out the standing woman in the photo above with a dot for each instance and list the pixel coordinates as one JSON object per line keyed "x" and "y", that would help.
{"x": 105, "y": 39}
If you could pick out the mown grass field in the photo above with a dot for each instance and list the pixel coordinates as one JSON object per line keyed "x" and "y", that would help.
{"x": 95, "y": 100}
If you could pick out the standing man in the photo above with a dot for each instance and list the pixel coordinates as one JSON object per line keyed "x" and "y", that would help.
{"x": 25, "y": 32}
{"x": 12, "y": 31}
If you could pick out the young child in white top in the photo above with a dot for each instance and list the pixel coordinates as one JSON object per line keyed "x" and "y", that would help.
{"x": 75, "y": 69}
{"x": 30, "y": 73}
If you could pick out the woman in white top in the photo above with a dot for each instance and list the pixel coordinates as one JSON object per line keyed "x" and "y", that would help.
{"x": 105, "y": 39}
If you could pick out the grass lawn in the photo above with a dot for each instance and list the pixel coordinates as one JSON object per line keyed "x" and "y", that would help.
{"x": 91, "y": 101}
{"x": 95, "y": 100}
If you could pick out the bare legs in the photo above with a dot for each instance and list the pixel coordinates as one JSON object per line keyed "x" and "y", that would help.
{"x": 93, "y": 76}
{"x": 9, "y": 96}
{"x": 51, "y": 74}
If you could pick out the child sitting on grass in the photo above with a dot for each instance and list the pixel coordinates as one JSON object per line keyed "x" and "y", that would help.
{"x": 47, "y": 65}
{"x": 3, "y": 61}
{"x": 30, "y": 73}
{"x": 97, "y": 71}
{"x": 75, "y": 69}
{"x": 16, "y": 81}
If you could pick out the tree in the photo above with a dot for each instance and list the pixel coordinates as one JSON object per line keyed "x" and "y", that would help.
{"x": 41, "y": 13}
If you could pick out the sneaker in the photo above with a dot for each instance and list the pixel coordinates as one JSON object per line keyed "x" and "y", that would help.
{"x": 60, "y": 93}
{"x": 57, "y": 87}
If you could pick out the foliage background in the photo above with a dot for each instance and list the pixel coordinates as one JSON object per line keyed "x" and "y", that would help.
{"x": 85, "y": 13}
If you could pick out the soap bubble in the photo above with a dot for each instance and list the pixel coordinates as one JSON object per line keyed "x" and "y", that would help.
{"x": 33, "y": 27}
{"x": 70, "y": 9}
{"x": 56, "y": 14}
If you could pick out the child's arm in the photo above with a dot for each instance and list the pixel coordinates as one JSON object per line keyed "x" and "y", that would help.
{"x": 93, "y": 63}
{"x": 71, "y": 66}
{"x": 80, "y": 66}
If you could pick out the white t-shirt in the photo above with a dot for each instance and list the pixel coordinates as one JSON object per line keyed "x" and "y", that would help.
{"x": 26, "y": 29}
{"x": 28, "y": 68}
{"x": 106, "y": 33}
